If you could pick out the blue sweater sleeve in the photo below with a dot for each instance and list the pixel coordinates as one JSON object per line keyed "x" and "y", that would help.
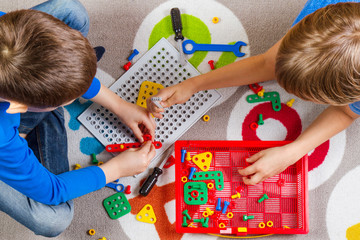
{"x": 20, "y": 169}
{"x": 93, "y": 89}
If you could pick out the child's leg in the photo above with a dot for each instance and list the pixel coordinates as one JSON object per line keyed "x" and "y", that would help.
{"x": 71, "y": 12}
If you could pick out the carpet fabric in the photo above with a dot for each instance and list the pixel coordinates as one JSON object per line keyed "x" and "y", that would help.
{"x": 119, "y": 27}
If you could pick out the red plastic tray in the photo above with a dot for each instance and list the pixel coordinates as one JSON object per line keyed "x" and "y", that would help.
{"x": 286, "y": 208}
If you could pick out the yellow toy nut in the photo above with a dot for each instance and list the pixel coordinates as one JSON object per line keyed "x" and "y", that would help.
{"x": 205, "y": 214}
{"x": 261, "y": 225}
{"x": 242, "y": 229}
{"x": 146, "y": 215}
{"x": 77, "y": 166}
{"x": 147, "y": 89}
{"x": 269, "y": 224}
{"x": 206, "y": 118}
{"x": 210, "y": 185}
{"x": 215, "y": 20}
{"x": 184, "y": 179}
{"x": 222, "y": 225}
{"x": 230, "y": 215}
{"x": 91, "y": 232}
{"x": 203, "y": 160}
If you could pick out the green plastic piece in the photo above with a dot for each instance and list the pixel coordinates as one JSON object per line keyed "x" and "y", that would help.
{"x": 264, "y": 197}
{"x": 274, "y": 97}
{"x": 261, "y": 121}
{"x": 217, "y": 176}
{"x": 185, "y": 212}
{"x": 94, "y": 160}
{"x": 184, "y": 223}
{"x": 117, "y": 205}
{"x": 206, "y": 223}
{"x": 202, "y": 197}
{"x": 245, "y": 218}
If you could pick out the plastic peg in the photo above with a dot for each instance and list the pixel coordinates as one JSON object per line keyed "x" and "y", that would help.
{"x": 264, "y": 197}
{"x": 127, "y": 66}
{"x": 77, "y": 166}
{"x": 183, "y": 154}
{"x": 94, "y": 160}
{"x": 226, "y": 204}
{"x": 192, "y": 171}
{"x": 218, "y": 204}
{"x": 133, "y": 54}
{"x": 185, "y": 212}
{"x": 237, "y": 195}
{"x": 188, "y": 157}
{"x": 261, "y": 121}
{"x": 211, "y": 63}
{"x": 184, "y": 223}
{"x": 290, "y": 103}
{"x": 128, "y": 190}
{"x": 245, "y": 217}
{"x": 206, "y": 223}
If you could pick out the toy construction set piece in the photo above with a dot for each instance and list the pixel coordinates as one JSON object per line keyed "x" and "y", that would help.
{"x": 147, "y": 89}
{"x": 146, "y": 214}
{"x": 273, "y": 97}
{"x": 159, "y": 65}
{"x": 125, "y": 146}
{"x": 235, "y": 48}
{"x": 203, "y": 160}
{"x": 217, "y": 200}
{"x": 117, "y": 205}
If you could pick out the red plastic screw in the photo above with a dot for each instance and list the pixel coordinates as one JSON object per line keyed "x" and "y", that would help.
{"x": 127, "y": 190}
{"x": 127, "y": 66}
{"x": 211, "y": 63}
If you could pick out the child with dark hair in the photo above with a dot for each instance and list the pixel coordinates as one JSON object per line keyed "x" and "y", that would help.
{"x": 45, "y": 63}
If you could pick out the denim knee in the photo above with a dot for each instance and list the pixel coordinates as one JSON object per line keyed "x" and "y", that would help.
{"x": 51, "y": 221}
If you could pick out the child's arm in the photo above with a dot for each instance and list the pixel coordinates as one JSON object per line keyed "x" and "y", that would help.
{"x": 272, "y": 161}
{"x": 132, "y": 115}
{"x": 250, "y": 70}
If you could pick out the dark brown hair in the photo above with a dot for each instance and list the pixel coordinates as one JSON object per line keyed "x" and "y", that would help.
{"x": 43, "y": 62}
{"x": 319, "y": 58}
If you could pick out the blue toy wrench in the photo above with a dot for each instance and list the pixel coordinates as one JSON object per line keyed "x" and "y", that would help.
{"x": 117, "y": 186}
{"x": 235, "y": 48}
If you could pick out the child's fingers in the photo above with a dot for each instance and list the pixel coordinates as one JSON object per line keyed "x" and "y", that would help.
{"x": 255, "y": 157}
{"x": 252, "y": 180}
{"x": 150, "y": 125}
{"x": 247, "y": 171}
{"x": 137, "y": 132}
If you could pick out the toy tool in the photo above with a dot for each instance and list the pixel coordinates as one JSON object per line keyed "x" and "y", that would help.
{"x": 235, "y": 48}
{"x": 177, "y": 27}
{"x": 125, "y": 146}
{"x": 152, "y": 179}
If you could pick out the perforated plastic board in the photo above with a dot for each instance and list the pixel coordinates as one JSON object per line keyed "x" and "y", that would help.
{"x": 287, "y": 205}
{"x": 161, "y": 65}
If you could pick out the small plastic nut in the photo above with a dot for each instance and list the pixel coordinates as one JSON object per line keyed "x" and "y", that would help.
{"x": 77, "y": 166}
{"x": 269, "y": 224}
{"x": 206, "y": 118}
{"x": 222, "y": 225}
{"x": 261, "y": 225}
{"x": 91, "y": 232}
{"x": 254, "y": 126}
{"x": 210, "y": 185}
{"x": 215, "y": 20}
{"x": 103, "y": 238}
{"x": 184, "y": 179}
{"x": 230, "y": 215}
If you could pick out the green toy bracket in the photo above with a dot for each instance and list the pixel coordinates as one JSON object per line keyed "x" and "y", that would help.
{"x": 195, "y": 193}
{"x": 117, "y": 205}
{"x": 274, "y": 97}
{"x": 217, "y": 176}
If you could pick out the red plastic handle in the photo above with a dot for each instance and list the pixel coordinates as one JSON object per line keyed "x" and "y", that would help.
{"x": 125, "y": 146}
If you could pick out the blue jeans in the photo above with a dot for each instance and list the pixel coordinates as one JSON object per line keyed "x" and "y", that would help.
{"x": 46, "y": 136}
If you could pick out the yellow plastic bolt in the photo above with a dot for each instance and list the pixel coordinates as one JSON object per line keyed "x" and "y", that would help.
{"x": 188, "y": 158}
{"x": 103, "y": 238}
{"x": 77, "y": 166}
{"x": 290, "y": 103}
{"x": 237, "y": 195}
{"x": 261, "y": 93}
{"x": 209, "y": 211}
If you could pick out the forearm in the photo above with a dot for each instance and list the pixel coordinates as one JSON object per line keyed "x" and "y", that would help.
{"x": 330, "y": 122}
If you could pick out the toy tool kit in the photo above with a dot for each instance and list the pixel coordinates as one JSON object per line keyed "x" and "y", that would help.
{"x": 211, "y": 196}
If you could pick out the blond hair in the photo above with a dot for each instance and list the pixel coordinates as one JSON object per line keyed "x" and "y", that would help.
{"x": 319, "y": 58}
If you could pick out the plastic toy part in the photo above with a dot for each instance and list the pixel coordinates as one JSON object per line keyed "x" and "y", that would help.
{"x": 255, "y": 87}
{"x": 226, "y": 204}
{"x": 230, "y": 215}
{"x": 206, "y": 223}
{"x": 245, "y": 217}
{"x": 77, "y": 166}
{"x": 281, "y": 182}
{"x": 206, "y": 118}
{"x": 352, "y": 233}
{"x": 192, "y": 171}
{"x": 202, "y": 196}
{"x": 91, "y": 232}
{"x": 222, "y": 225}
{"x": 273, "y": 97}
{"x": 217, "y": 176}
{"x": 210, "y": 185}
{"x": 203, "y": 160}
{"x": 184, "y": 223}
{"x": 242, "y": 229}
{"x": 208, "y": 212}
{"x": 125, "y": 146}
{"x": 186, "y": 214}
{"x": 146, "y": 214}
{"x": 260, "y": 121}
{"x": 235, "y": 48}
{"x": 147, "y": 89}
{"x": 100, "y": 163}
{"x": 133, "y": 54}
{"x": 183, "y": 154}
{"x": 254, "y": 126}
{"x": 290, "y": 103}
{"x": 261, "y": 93}
{"x": 103, "y": 238}
{"x": 117, "y": 205}
{"x": 156, "y": 101}
{"x": 211, "y": 63}
{"x": 264, "y": 197}
{"x": 194, "y": 194}
{"x": 184, "y": 179}
{"x": 269, "y": 223}
{"x": 127, "y": 66}
{"x": 117, "y": 186}
{"x": 93, "y": 158}
{"x": 237, "y": 195}
{"x": 215, "y": 20}
{"x": 262, "y": 225}
{"x": 218, "y": 204}
{"x": 128, "y": 189}
{"x": 188, "y": 157}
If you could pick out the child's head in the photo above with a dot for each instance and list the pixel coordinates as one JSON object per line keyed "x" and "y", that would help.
{"x": 43, "y": 62}
{"x": 319, "y": 58}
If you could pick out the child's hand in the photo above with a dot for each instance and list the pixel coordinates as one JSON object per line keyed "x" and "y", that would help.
{"x": 138, "y": 119}
{"x": 176, "y": 94}
{"x": 132, "y": 161}
{"x": 267, "y": 163}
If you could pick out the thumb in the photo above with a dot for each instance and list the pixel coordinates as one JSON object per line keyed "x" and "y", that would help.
{"x": 254, "y": 157}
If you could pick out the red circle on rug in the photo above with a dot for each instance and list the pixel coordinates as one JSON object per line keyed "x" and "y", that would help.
{"x": 290, "y": 119}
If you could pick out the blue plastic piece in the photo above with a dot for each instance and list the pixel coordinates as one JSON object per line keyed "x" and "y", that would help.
{"x": 235, "y": 48}
{"x": 117, "y": 186}
{"x": 183, "y": 153}
{"x": 218, "y": 204}
{"x": 192, "y": 171}
{"x": 134, "y": 53}
{"x": 226, "y": 204}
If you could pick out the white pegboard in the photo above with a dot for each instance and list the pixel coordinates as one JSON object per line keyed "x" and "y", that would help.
{"x": 161, "y": 65}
